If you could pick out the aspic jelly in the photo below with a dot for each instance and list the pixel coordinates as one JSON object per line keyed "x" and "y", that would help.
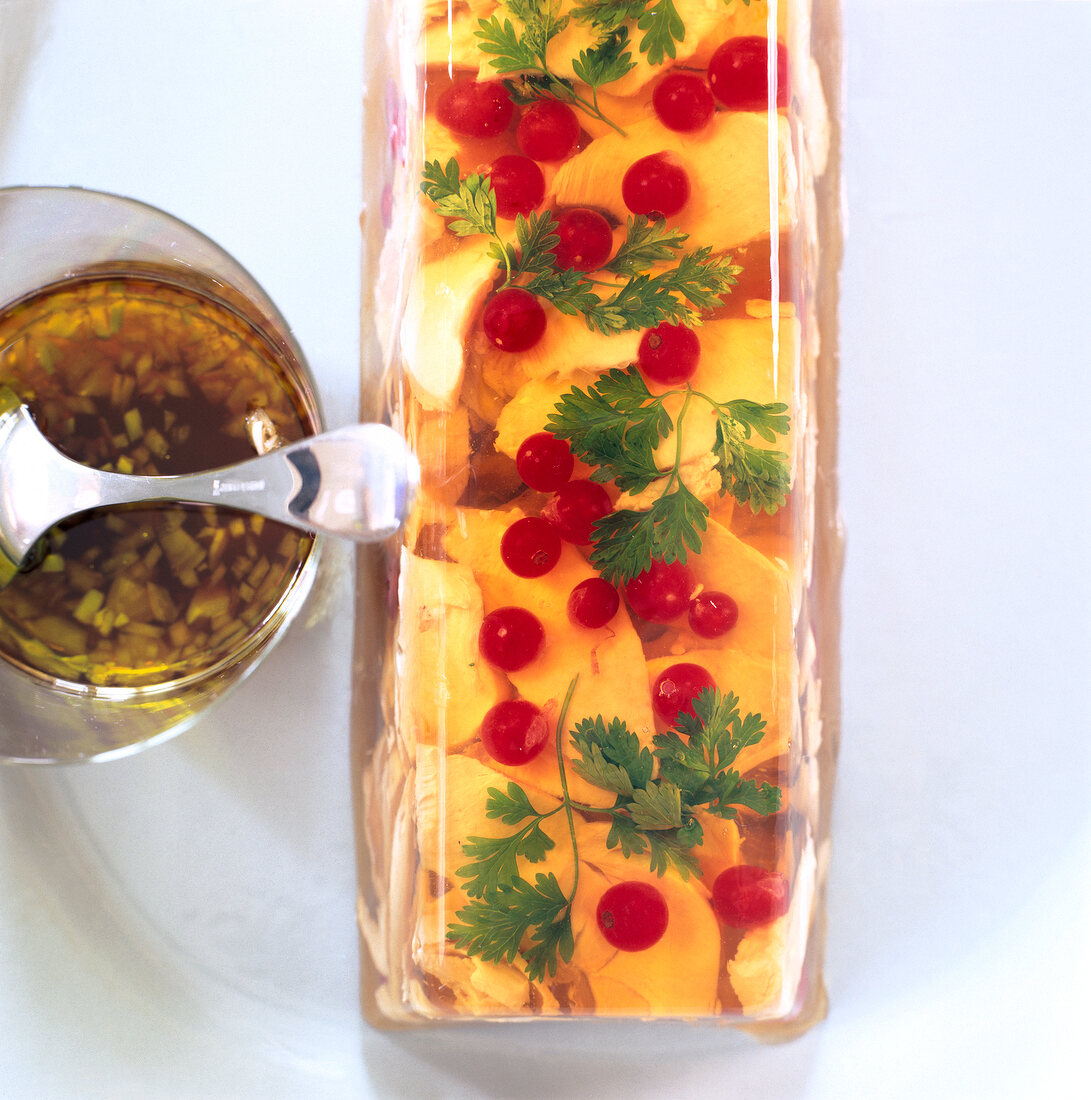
{"x": 594, "y": 789}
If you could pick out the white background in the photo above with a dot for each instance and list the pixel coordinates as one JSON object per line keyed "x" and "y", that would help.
{"x": 180, "y": 924}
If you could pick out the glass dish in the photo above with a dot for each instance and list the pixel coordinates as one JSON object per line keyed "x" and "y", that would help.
{"x": 140, "y": 345}
{"x": 595, "y": 780}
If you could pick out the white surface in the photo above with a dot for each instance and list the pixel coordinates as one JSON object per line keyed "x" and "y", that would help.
{"x": 180, "y": 924}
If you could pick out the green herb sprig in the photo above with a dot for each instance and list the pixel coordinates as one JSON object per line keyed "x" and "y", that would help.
{"x": 523, "y": 51}
{"x": 645, "y": 298}
{"x": 616, "y": 424}
{"x": 651, "y": 816}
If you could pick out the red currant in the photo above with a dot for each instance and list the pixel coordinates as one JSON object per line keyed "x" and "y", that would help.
{"x": 683, "y": 102}
{"x": 513, "y": 319}
{"x": 668, "y": 354}
{"x": 514, "y": 732}
{"x": 530, "y": 547}
{"x": 518, "y": 183}
{"x": 662, "y": 592}
{"x": 593, "y": 603}
{"x": 575, "y": 507}
{"x": 748, "y": 897}
{"x": 739, "y": 74}
{"x": 544, "y": 462}
{"x": 676, "y": 687}
{"x": 632, "y": 916}
{"x": 510, "y": 638}
{"x": 712, "y": 614}
{"x": 586, "y": 240}
{"x": 548, "y": 130}
{"x": 476, "y": 108}
{"x": 655, "y": 185}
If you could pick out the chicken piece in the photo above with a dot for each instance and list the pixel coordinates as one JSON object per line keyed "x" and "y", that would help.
{"x": 728, "y": 167}
{"x": 737, "y": 361}
{"x": 451, "y": 797}
{"x": 608, "y": 660}
{"x": 528, "y": 411}
{"x": 762, "y": 588}
{"x": 567, "y": 346}
{"x": 443, "y": 690}
{"x": 441, "y": 442}
{"x": 451, "y": 794}
{"x": 445, "y": 299}
{"x": 756, "y": 971}
{"x": 449, "y": 40}
{"x": 676, "y": 976}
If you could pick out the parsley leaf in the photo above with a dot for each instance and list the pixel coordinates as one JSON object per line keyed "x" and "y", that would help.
{"x": 611, "y": 756}
{"x": 507, "y": 915}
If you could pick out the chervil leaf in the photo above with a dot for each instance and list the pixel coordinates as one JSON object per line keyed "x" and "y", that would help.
{"x": 493, "y": 927}
{"x": 615, "y": 426}
{"x": 768, "y": 421}
{"x": 663, "y": 28}
{"x": 569, "y": 291}
{"x": 610, "y": 60}
{"x": 609, "y": 14}
{"x": 646, "y": 243}
{"x": 552, "y": 927}
{"x": 626, "y": 541}
{"x": 470, "y": 203}
{"x": 626, "y": 836}
{"x": 541, "y": 20}
{"x": 698, "y": 753}
{"x": 735, "y": 791}
{"x": 535, "y": 237}
{"x": 496, "y": 859}
{"x": 700, "y": 278}
{"x": 508, "y": 50}
{"x": 666, "y": 848}
{"x": 753, "y": 475}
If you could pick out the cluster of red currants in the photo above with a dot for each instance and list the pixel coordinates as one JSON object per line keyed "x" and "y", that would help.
{"x": 633, "y": 915}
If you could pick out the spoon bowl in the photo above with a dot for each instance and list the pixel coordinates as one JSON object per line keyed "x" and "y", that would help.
{"x": 357, "y": 482}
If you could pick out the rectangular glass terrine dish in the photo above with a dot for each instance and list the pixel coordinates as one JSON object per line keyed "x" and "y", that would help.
{"x": 595, "y": 737}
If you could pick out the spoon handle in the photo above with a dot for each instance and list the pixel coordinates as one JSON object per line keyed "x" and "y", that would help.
{"x": 356, "y": 482}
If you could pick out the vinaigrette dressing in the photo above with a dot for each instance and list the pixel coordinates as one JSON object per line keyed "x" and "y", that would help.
{"x": 140, "y": 376}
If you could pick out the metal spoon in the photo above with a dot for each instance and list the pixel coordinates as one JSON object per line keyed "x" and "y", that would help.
{"x": 357, "y": 482}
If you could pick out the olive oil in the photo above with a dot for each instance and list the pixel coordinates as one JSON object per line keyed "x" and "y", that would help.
{"x": 141, "y": 375}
